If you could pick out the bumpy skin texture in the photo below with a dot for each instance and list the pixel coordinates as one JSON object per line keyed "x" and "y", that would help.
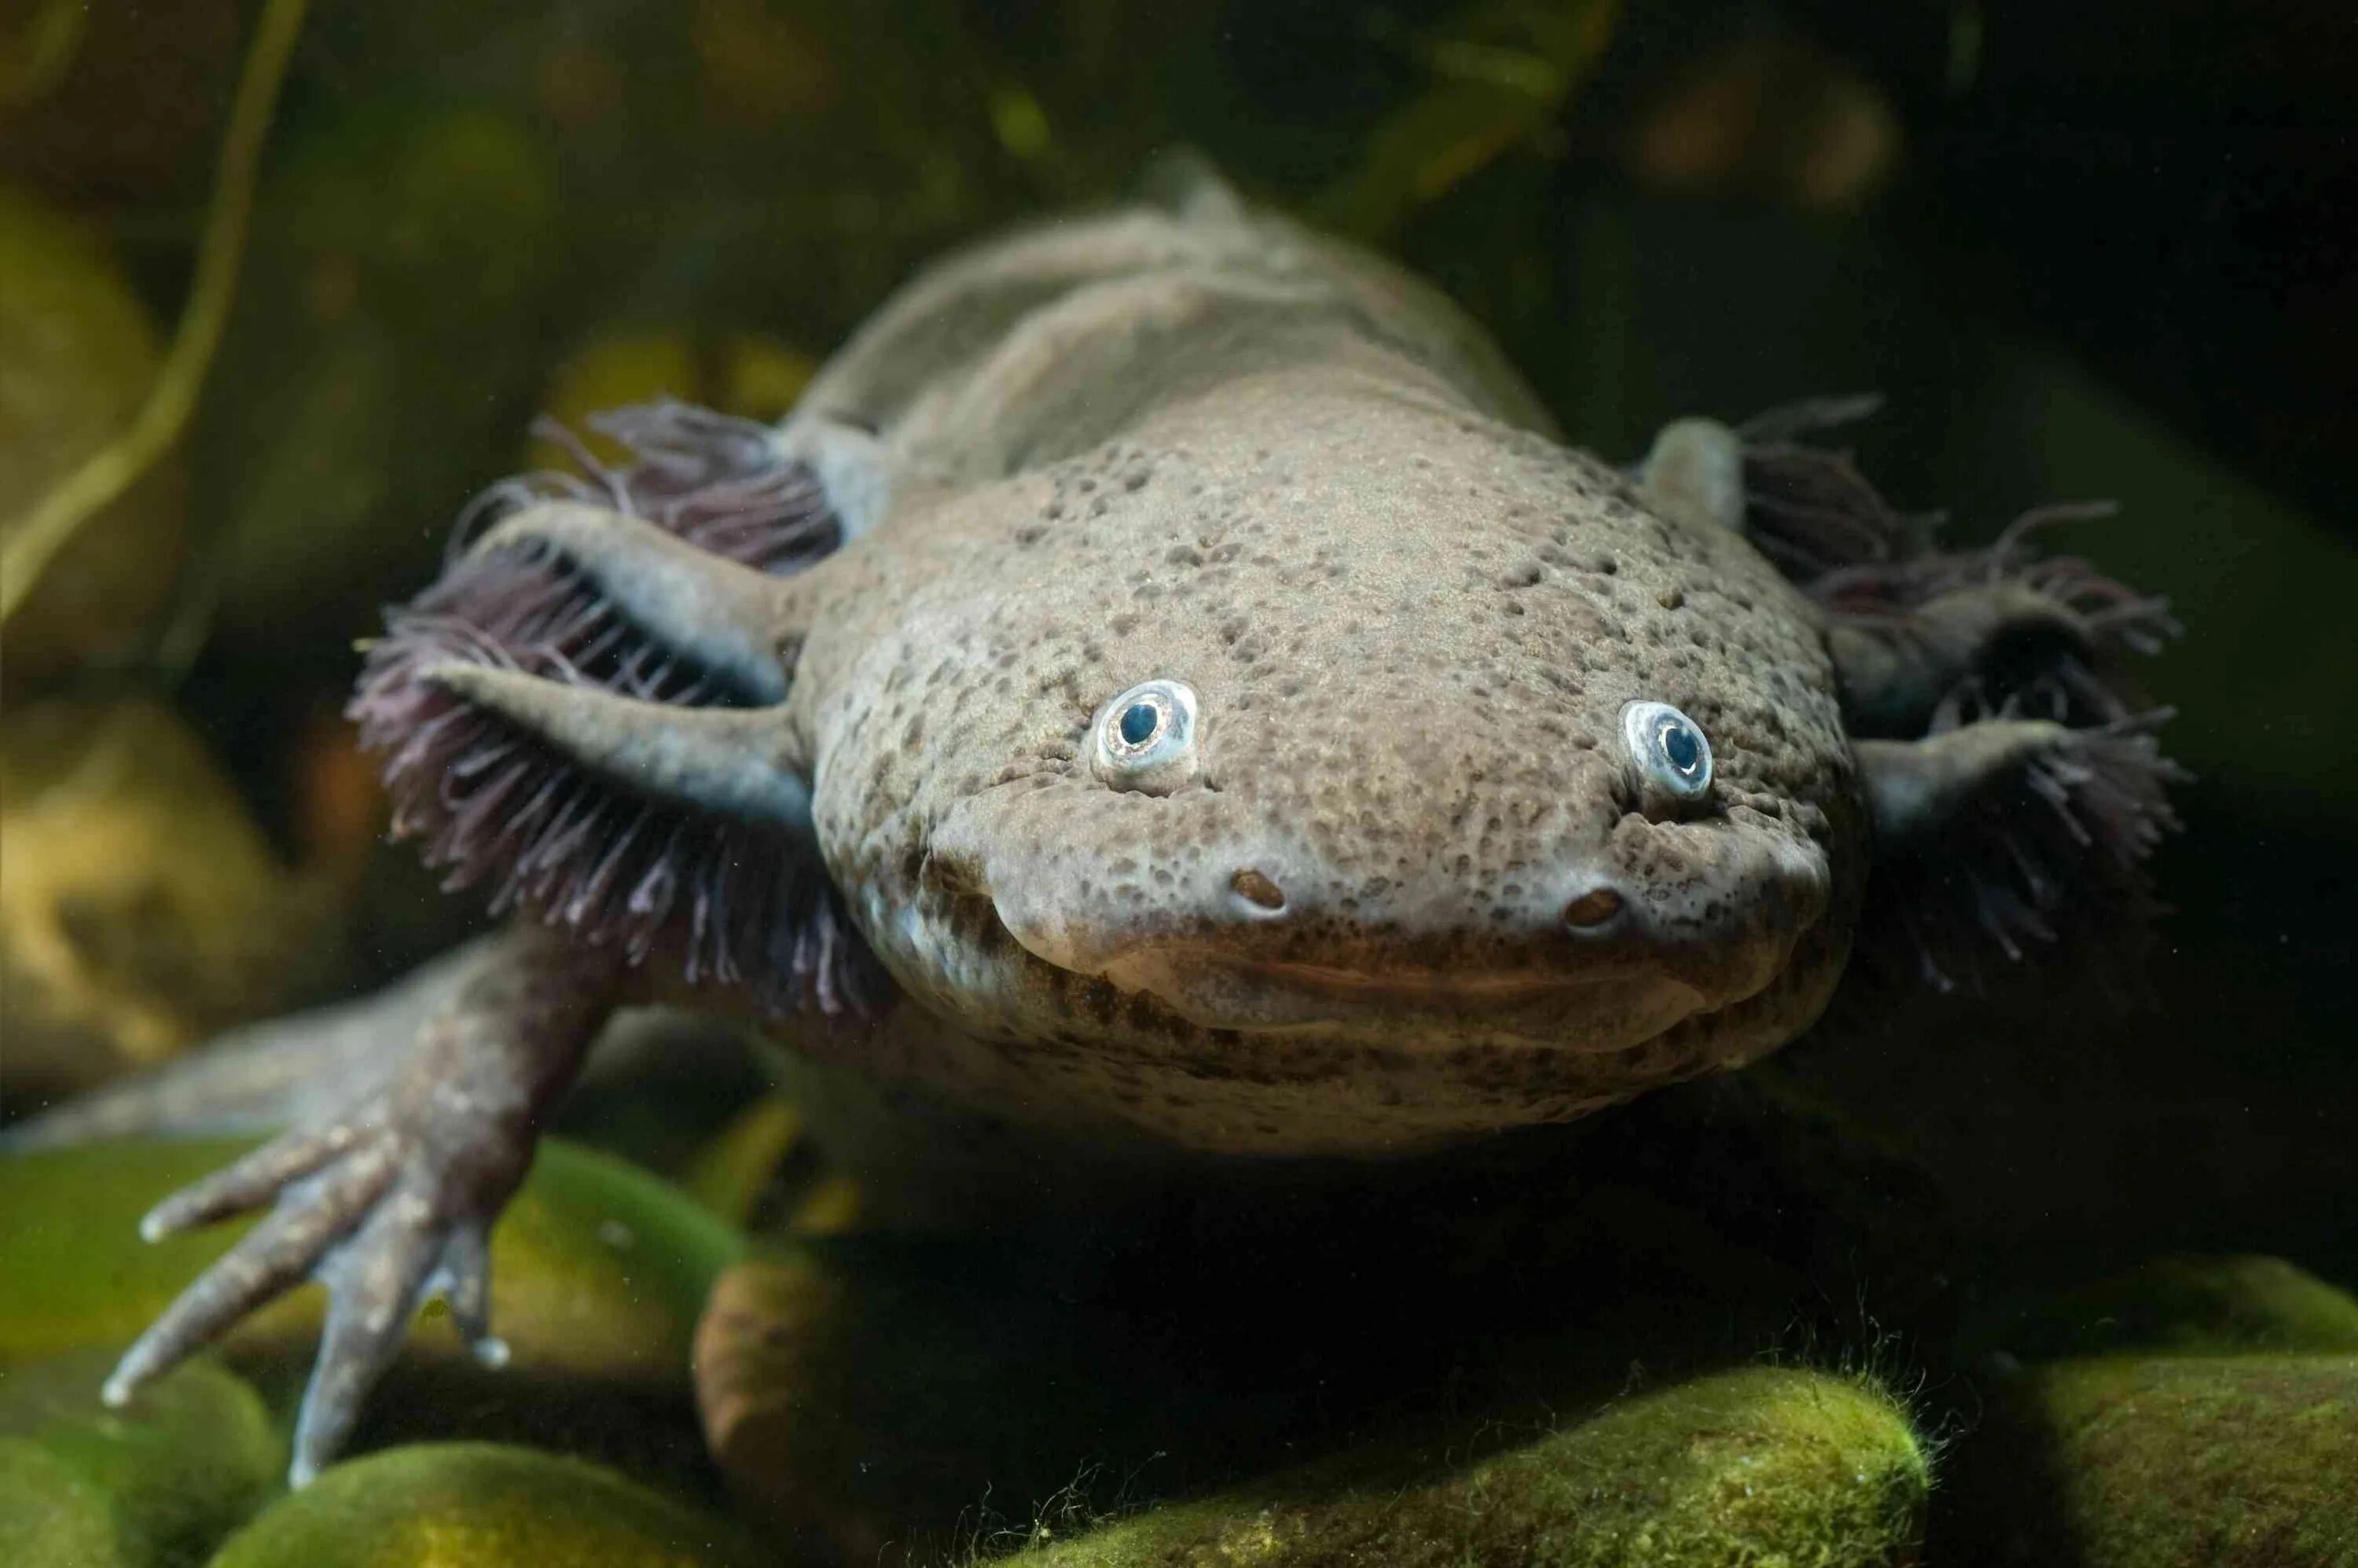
{"x": 1420, "y": 747}
{"x": 770, "y": 706}
{"x": 1412, "y": 623}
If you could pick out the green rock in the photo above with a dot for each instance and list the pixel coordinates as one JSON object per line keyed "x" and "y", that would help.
{"x": 50, "y": 1516}
{"x": 1760, "y": 1467}
{"x": 159, "y": 1482}
{"x": 481, "y": 1504}
{"x": 2166, "y": 1462}
{"x": 142, "y": 908}
{"x": 80, "y": 1276}
{"x": 2193, "y": 1305}
{"x": 599, "y": 1270}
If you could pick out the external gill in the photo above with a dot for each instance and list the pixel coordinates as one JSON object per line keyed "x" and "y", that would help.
{"x": 586, "y": 714}
{"x": 2014, "y": 785}
{"x": 2012, "y": 833}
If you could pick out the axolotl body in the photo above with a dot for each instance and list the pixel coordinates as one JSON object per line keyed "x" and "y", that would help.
{"x": 1167, "y": 681}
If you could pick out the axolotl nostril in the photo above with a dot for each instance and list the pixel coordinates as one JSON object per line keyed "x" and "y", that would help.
{"x": 1168, "y": 676}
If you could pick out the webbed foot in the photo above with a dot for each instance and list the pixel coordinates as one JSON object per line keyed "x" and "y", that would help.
{"x": 391, "y": 1197}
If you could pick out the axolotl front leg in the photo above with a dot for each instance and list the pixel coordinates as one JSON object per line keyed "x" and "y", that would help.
{"x": 699, "y": 814}
{"x": 391, "y": 1196}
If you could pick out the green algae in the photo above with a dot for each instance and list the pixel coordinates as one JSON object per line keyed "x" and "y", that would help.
{"x": 484, "y": 1505}
{"x": 81, "y": 1277}
{"x": 50, "y": 1516}
{"x": 2197, "y": 1305}
{"x": 160, "y": 1481}
{"x": 1763, "y": 1466}
{"x": 2169, "y": 1461}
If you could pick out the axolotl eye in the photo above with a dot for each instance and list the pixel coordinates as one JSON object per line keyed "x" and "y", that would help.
{"x": 1146, "y": 738}
{"x": 1668, "y": 751}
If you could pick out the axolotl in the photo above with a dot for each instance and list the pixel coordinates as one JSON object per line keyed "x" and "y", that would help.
{"x": 1168, "y": 680}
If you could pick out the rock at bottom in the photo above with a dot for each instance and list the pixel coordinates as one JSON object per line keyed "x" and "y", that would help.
{"x": 50, "y": 1516}
{"x": 481, "y": 1504}
{"x": 1766, "y": 1466}
{"x": 2191, "y": 1305}
{"x": 159, "y": 1481}
{"x": 2169, "y": 1462}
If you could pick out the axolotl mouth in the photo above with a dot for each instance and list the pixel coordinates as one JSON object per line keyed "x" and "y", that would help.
{"x": 1220, "y": 989}
{"x": 1585, "y": 965}
{"x": 1591, "y": 913}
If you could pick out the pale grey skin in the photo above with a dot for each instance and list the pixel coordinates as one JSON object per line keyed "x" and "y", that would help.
{"x": 1202, "y": 445}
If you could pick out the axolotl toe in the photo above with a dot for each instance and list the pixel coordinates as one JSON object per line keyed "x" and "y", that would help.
{"x": 1167, "y": 675}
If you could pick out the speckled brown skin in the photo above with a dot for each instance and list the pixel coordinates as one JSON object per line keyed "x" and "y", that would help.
{"x": 1412, "y": 630}
{"x": 1412, "y": 620}
{"x": 1412, "y": 886}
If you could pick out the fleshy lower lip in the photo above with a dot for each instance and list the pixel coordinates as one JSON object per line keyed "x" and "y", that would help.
{"x": 1401, "y": 985}
{"x": 1222, "y": 989}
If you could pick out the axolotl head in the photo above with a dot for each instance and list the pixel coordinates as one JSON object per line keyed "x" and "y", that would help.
{"x": 1319, "y": 766}
{"x": 1319, "y": 769}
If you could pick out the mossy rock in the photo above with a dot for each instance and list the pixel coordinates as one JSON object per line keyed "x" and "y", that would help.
{"x": 141, "y": 908}
{"x": 868, "y": 1392}
{"x": 485, "y": 1505}
{"x": 50, "y": 1516}
{"x": 159, "y": 1482}
{"x": 2166, "y": 1462}
{"x": 2196, "y": 1305}
{"x": 1763, "y": 1465}
{"x": 598, "y": 1269}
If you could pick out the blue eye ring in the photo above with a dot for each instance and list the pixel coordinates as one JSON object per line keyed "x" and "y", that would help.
{"x": 1668, "y": 749}
{"x": 1145, "y": 738}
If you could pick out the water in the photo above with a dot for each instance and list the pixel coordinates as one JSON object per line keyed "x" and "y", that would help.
{"x": 1992, "y": 1232}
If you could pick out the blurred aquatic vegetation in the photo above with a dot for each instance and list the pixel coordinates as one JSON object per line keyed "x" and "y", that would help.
{"x": 141, "y": 910}
{"x": 78, "y": 358}
{"x": 68, "y": 67}
{"x": 745, "y": 374}
{"x": 42, "y": 42}
{"x": 2182, "y": 1307}
{"x": 30, "y": 544}
{"x": 1770, "y": 115}
{"x": 1500, "y": 74}
{"x": 388, "y": 337}
{"x": 2134, "y": 1461}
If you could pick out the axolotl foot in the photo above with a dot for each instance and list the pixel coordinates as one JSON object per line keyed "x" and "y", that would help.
{"x": 390, "y": 1198}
